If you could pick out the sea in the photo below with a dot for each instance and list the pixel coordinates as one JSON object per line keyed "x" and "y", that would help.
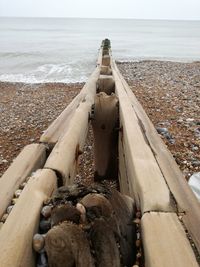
{"x": 34, "y": 50}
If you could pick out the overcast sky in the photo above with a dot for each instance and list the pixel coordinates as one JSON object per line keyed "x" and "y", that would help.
{"x": 142, "y": 9}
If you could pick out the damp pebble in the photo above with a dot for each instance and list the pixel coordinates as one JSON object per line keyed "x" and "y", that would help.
{"x": 46, "y": 211}
{"x": 38, "y": 242}
{"x": 4, "y": 217}
{"x": 14, "y": 201}
{"x": 18, "y": 193}
{"x": 138, "y": 214}
{"x": 9, "y": 208}
{"x": 138, "y": 243}
{"x": 45, "y": 225}
{"x": 42, "y": 260}
{"x": 137, "y": 221}
{"x": 138, "y": 255}
{"x": 22, "y": 185}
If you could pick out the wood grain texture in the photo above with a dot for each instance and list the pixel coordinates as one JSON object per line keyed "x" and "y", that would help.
{"x": 22, "y": 223}
{"x": 64, "y": 156}
{"x": 31, "y": 158}
{"x": 146, "y": 182}
{"x": 165, "y": 242}
{"x": 182, "y": 193}
{"x": 104, "y": 126}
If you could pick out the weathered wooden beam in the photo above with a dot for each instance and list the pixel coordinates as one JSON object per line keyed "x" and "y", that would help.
{"x": 64, "y": 157}
{"x": 106, "y": 60}
{"x": 106, "y": 70}
{"x": 182, "y": 193}
{"x": 31, "y": 158}
{"x": 59, "y": 126}
{"x": 104, "y": 123}
{"x": 145, "y": 178}
{"x": 165, "y": 242}
{"x": 17, "y": 233}
{"x": 106, "y": 84}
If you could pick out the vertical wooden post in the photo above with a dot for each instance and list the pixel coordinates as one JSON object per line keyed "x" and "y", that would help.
{"x": 104, "y": 125}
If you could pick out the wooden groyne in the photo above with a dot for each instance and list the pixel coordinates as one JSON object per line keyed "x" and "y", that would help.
{"x": 154, "y": 197}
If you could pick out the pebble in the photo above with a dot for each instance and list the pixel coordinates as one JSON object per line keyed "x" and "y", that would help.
{"x": 18, "y": 193}
{"x": 45, "y": 225}
{"x": 9, "y": 208}
{"x": 46, "y": 211}
{"x": 4, "y": 217}
{"x": 42, "y": 260}
{"x": 162, "y": 130}
{"x": 14, "y": 201}
{"x": 22, "y": 185}
{"x": 38, "y": 242}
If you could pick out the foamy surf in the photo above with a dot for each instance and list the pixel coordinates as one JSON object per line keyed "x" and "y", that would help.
{"x": 48, "y": 73}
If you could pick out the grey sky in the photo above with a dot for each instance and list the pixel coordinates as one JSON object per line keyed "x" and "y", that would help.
{"x": 146, "y": 9}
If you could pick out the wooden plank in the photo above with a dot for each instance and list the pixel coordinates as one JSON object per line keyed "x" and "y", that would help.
{"x": 165, "y": 242}
{"x": 122, "y": 172}
{"x": 64, "y": 157}
{"x": 182, "y": 193}
{"x": 59, "y": 126}
{"x": 31, "y": 158}
{"x": 146, "y": 182}
{"x": 17, "y": 233}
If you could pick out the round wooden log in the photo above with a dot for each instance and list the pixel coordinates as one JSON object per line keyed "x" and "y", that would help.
{"x": 17, "y": 233}
{"x": 31, "y": 158}
{"x": 67, "y": 245}
{"x": 107, "y": 224}
{"x": 104, "y": 127}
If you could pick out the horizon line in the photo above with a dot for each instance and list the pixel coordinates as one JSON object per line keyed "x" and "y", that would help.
{"x": 52, "y": 17}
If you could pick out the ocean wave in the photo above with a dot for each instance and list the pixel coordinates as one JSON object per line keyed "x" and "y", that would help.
{"x": 19, "y": 54}
{"x": 48, "y": 73}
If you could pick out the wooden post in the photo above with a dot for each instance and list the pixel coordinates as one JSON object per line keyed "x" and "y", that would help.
{"x": 106, "y": 60}
{"x": 31, "y": 158}
{"x": 104, "y": 126}
{"x": 105, "y": 70}
{"x": 106, "y": 84}
{"x": 17, "y": 233}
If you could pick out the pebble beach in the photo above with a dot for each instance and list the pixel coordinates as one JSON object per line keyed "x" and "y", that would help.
{"x": 168, "y": 91}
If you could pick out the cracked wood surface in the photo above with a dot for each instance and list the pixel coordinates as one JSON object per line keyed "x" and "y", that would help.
{"x": 165, "y": 242}
{"x": 185, "y": 199}
{"x": 146, "y": 182}
{"x": 17, "y": 233}
{"x": 31, "y": 158}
